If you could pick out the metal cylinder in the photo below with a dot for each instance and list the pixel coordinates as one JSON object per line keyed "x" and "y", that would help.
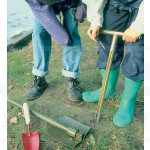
{"x": 70, "y": 131}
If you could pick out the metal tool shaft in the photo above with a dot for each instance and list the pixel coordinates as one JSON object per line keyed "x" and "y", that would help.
{"x": 108, "y": 68}
{"x": 108, "y": 32}
{"x": 70, "y": 131}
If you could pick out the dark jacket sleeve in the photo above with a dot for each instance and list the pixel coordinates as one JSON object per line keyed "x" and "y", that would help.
{"x": 47, "y": 18}
{"x": 81, "y": 12}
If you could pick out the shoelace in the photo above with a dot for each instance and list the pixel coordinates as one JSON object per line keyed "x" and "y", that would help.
{"x": 36, "y": 82}
{"x": 76, "y": 83}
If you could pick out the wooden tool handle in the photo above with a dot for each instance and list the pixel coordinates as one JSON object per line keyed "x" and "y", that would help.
{"x": 26, "y": 113}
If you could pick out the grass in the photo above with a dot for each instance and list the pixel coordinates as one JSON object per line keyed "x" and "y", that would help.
{"x": 54, "y": 102}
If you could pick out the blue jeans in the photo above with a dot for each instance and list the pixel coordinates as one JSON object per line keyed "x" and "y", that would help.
{"x": 42, "y": 48}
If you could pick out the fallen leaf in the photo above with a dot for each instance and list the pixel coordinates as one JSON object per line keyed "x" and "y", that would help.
{"x": 13, "y": 120}
{"x": 117, "y": 145}
{"x": 25, "y": 85}
{"x": 94, "y": 149}
{"x": 20, "y": 114}
{"x": 10, "y": 87}
{"x": 114, "y": 137}
{"x": 88, "y": 143}
{"x": 121, "y": 133}
{"x": 28, "y": 54}
{"x": 116, "y": 105}
{"x": 92, "y": 140}
{"x": 105, "y": 116}
{"x": 28, "y": 73}
{"x": 55, "y": 143}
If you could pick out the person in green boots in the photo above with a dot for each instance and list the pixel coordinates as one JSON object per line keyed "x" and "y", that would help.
{"x": 123, "y": 16}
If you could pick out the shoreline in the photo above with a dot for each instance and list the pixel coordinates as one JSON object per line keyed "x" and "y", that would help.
{"x": 20, "y": 42}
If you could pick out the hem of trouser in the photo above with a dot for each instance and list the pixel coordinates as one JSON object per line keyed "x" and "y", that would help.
{"x": 70, "y": 74}
{"x": 137, "y": 78}
{"x": 112, "y": 67}
{"x": 39, "y": 73}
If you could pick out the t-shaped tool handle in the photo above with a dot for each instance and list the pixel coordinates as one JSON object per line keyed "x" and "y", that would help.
{"x": 108, "y": 67}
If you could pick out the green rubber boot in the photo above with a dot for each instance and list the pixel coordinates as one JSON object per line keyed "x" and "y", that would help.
{"x": 93, "y": 96}
{"x": 124, "y": 115}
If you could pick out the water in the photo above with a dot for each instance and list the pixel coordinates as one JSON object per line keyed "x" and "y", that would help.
{"x": 19, "y": 19}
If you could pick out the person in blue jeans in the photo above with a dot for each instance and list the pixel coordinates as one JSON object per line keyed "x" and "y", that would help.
{"x": 46, "y": 27}
{"x": 124, "y": 16}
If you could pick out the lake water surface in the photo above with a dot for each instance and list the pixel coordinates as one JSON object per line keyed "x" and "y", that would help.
{"x": 19, "y": 19}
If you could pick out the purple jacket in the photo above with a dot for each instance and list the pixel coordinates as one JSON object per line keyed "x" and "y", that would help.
{"x": 46, "y": 16}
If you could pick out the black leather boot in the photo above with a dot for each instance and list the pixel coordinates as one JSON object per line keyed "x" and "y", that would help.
{"x": 74, "y": 93}
{"x": 38, "y": 87}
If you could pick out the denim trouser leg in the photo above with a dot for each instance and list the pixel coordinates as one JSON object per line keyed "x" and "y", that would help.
{"x": 72, "y": 54}
{"x": 41, "y": 50}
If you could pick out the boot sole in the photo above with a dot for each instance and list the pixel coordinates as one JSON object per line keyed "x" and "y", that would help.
{"x": 121, "y": 126}
{"x": 75, "y": 100}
